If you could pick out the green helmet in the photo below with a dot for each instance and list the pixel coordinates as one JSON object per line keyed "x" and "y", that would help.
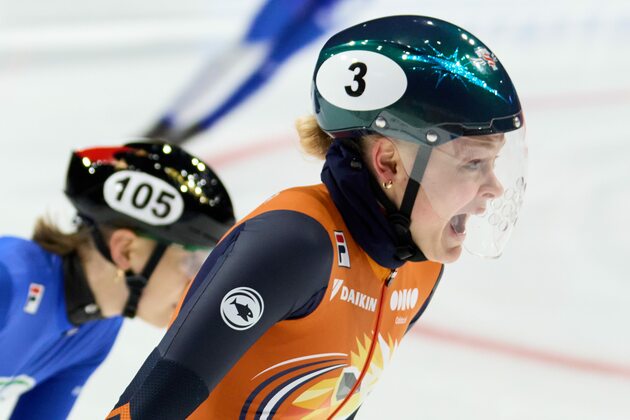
{"x": 433, "y": 84}
{"x": 413, "y": 78}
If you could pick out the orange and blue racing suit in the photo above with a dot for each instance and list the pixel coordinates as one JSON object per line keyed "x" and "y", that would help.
{"x": 293, "y": 316}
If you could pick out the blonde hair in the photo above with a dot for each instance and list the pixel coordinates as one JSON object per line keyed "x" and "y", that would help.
{"x": 313, "y": 140}
{"x": 50, "y": 237}
{"x": 316, "y": 142}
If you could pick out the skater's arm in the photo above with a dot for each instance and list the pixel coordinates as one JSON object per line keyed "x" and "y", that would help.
{"x": 282, "y": 257}
{"x": 54, "y": 398}
{"x": 6, "y": 293}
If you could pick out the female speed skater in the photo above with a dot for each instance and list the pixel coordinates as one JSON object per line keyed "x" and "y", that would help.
{"x": 148, "y": 215}
{"x": 302, "y": 304}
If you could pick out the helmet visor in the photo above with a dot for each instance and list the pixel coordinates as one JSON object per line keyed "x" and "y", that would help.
{"x": 475, "y": 185}
{"x": 193, "y": 261}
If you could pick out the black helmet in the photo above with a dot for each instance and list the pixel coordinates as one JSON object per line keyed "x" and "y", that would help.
{"x": 155, "y": 188}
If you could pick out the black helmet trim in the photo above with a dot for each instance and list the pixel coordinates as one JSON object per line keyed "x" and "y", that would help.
{"x": 389, "y": 125}
{"x": 154, "y": 188}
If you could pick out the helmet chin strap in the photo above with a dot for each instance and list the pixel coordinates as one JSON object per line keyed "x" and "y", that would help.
{"x": 135, "y": 282}
{"x": 400, "y": 219}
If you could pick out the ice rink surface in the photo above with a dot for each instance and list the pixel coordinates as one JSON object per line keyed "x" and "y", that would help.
{"x": 541, "y": 333}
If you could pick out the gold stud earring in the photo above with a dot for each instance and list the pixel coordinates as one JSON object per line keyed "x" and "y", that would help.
{"x": 120, "y": 275}
{"x": 388, "y": 184}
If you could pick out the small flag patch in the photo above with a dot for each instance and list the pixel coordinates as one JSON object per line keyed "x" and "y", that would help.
{"x": 35, "y": 295}
{"x": 343, "y": 257}
{"x": 487, "y": 57}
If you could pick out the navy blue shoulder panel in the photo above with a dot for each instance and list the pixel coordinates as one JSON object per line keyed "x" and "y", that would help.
{"x": 426, "y": 302}
{"x": 267, "y": 269}
{"x": 289, "y": 239}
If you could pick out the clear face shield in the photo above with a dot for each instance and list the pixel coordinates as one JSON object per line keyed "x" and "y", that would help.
{"x": 193, "y": 260}
{"x": 190, "y": 258}
{"x": 474, "y": 187}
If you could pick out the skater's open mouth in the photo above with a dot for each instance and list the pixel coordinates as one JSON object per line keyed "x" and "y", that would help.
{"x": 458, "y": 223}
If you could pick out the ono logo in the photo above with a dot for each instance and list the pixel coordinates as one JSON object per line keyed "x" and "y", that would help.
{"x": 242, "y": 308}
{"x": 143, "y": 197}
{"x": 404, "y": 299}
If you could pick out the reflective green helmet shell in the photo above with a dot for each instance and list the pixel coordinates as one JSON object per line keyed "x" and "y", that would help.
{"x": 413, "y": 78}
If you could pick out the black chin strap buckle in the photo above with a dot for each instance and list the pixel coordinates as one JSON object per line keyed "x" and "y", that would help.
{"x": 137, "y": 282}
{"x": 405, "y": 248}
{"x": 400, "y": 220}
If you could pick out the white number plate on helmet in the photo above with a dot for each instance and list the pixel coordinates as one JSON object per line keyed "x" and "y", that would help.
{"x": 361, "y": 80}
{"x": 143, "y": 197}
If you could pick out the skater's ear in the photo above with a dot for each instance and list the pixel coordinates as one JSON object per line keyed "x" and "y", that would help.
{"x": 121, "y": 246}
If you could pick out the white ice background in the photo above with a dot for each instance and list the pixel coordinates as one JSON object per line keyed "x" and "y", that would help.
{"x": 541, "y": 333}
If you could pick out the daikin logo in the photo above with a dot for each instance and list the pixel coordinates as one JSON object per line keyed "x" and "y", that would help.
{"x": 352, "y": 296}
{"x": 336, "y": 286}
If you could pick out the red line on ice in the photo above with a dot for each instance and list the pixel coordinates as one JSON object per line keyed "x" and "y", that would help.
{"x": 237, "y": 155}
{"x": 521, "y": 352}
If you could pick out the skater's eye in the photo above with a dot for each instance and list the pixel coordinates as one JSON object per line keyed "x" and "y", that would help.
{"x": 473, "y": 165}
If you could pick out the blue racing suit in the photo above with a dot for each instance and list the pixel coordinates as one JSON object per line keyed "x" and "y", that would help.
{"x": 44, "y": 358}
